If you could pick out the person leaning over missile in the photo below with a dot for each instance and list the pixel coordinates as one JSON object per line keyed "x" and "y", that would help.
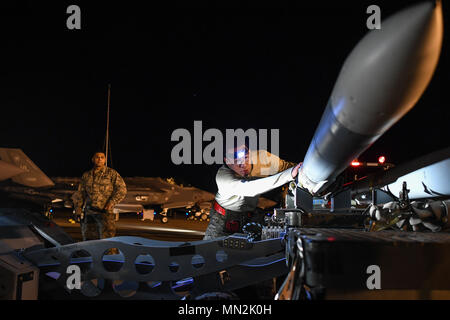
{"x": 100, "y": 189}
{"x": 245, "y": 176}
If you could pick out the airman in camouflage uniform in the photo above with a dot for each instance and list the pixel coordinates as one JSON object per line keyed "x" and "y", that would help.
{"x": 100, "y": 189}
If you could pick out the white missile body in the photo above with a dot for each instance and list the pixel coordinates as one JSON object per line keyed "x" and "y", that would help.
{"x": 380, "y": 81}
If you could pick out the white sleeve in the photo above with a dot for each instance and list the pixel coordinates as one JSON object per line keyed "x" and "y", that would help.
{"x": 229, "y": 183}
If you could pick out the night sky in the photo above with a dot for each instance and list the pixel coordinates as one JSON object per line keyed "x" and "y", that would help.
{"x": 247, "y": 64}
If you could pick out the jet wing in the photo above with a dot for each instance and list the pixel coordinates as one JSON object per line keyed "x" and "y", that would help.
{"x": 31, "y": 176}
{"x": 153, "y": 184}
{"x": 8, "y": 170}
{"x": 426, "y": 177}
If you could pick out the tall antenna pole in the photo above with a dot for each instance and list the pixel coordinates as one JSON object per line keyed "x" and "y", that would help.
{"x": 107, "y": 124}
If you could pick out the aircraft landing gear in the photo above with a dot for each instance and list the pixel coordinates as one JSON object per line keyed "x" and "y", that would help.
{"x": 163, "y": 216}
{"x": 164, "y": 219}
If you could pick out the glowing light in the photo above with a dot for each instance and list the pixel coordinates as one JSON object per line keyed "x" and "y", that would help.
{"x": 355, "y": 163}
{"x": 382, "y": 159}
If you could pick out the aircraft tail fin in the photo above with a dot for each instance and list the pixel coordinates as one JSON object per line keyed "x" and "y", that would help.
{"x": 31, "y": 175}
{"x": 8, "y": 170}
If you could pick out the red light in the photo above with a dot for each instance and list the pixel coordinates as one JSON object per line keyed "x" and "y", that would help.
{"x": 381, "y": 159}
{"x": 355, "y": 163}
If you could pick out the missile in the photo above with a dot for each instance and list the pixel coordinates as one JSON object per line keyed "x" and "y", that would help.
{"x": 380, "y": 81}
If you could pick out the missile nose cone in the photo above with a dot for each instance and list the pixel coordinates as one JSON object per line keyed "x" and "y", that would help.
{"x": 389, "y": 69}
{"x": 381, "y": 80}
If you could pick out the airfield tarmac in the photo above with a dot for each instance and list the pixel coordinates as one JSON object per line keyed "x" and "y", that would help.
{"x": 178, "y": 228}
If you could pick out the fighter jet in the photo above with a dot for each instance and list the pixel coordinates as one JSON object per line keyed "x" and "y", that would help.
{"x": 23, "y": 180}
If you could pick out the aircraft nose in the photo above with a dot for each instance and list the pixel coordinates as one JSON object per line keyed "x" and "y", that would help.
{"x": 380, "y": 81}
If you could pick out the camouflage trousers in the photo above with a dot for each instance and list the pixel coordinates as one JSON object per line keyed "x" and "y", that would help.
{"x": 98, "y": 225}
{"x": 217, "y": 226}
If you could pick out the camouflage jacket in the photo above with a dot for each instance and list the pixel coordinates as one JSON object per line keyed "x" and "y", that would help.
{"x": 97, "y": 189}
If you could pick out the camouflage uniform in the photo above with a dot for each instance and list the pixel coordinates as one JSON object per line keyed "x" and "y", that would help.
{"x": 264, "y": 164}
{"x": 96, "y": 190}
{"x": 217, "y": 225}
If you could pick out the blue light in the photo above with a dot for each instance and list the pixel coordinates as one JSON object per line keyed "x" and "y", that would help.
{"x": 156, "y": 285}
{"x": 185, "y": 281}
{"x": 308, "y": 295}
{"x": 48, "y": 264}
{"x": 182, "y": 283}
{"x": 53, "y": 275}
{"x": 262, "y": 265}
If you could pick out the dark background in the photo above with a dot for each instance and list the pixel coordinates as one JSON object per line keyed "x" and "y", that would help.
{"x": 246, "y": 64}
